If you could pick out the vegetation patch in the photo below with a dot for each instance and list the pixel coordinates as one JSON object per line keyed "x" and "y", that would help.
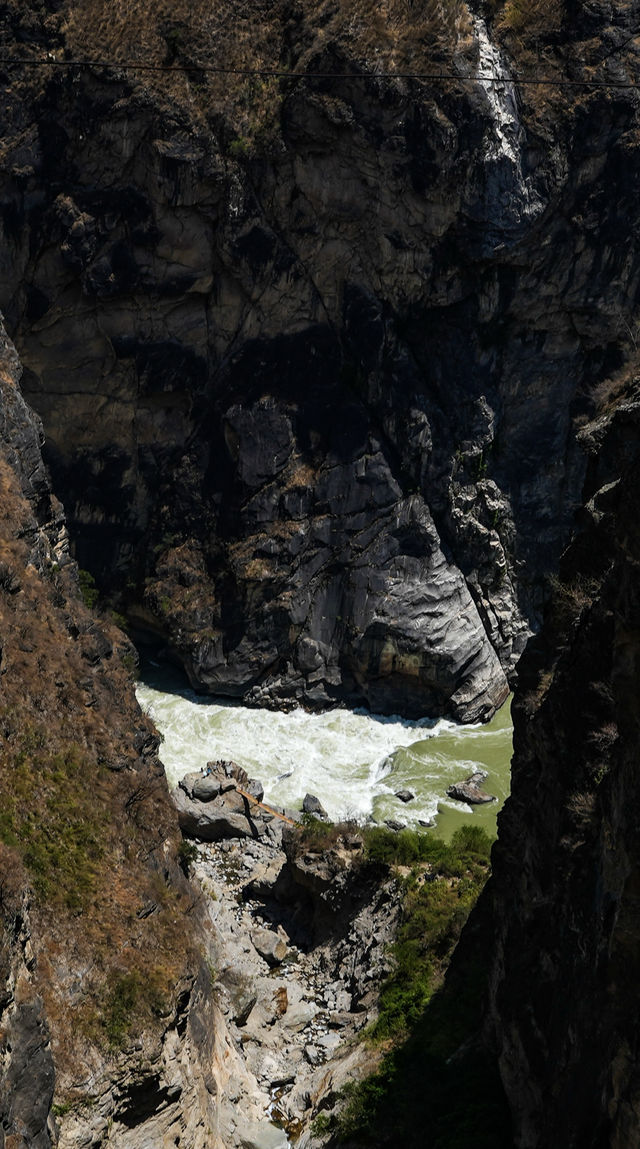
{"x": 53, "y": 822}
{"x": 439, "y": 893}
{"x": 428, "y": 1091}
{"x": 88, "y": 589}
{"x": 132, "y": 1000}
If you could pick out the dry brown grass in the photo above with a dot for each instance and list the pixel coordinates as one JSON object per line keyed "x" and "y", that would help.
{"x": 97, "y": 845}
{"x": 254, "y": 34}
{"x": 531, "y": 19}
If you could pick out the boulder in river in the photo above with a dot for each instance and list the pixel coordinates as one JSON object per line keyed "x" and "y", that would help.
{"x": 405, "y": 795}
{"x": 470, "y": 791}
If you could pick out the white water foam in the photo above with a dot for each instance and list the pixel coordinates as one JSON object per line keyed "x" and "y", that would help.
{"x": 353, "y": 761}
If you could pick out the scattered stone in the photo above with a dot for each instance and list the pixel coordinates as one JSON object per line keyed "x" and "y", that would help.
{"x": 313, "y": 1055}
{"x": 393, "y": 825}
{"x": 299, "y": 1015}
{"x": 270, "y": 946}
{"x": 338, "y": 1020}
{"x": 343, "y": 1001}
{"x": 264, "y": 880}
{"x": 405, "y": 795}
{"x": 241, "y": 992}
{"x": 329, "y": 1042}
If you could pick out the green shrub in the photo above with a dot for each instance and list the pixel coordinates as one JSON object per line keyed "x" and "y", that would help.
{"x": 54, "y": 823}
{"x": 131, "y": 999}
{"x": 403, "y": 1102}
{"x": 469, "y": 845}
{"x": 187, "y": 855}
{"x": 88, "y": 589}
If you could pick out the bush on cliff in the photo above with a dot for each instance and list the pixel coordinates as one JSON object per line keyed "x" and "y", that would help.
{"x": 419, "y": 1096}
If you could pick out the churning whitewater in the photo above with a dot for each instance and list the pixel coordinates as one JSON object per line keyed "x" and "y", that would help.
{"x": 353, "y": 761}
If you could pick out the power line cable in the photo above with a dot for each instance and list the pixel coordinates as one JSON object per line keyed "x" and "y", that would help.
{"x": 276, "y": 73}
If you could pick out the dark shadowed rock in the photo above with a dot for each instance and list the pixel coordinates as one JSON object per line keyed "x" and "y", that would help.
{"x": 405, "y": 795}
{"x": 313, "y": 805}
{"x": 470, "y": 791}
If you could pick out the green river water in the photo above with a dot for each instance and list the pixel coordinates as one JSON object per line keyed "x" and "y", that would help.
{"x": 353, "y": 761}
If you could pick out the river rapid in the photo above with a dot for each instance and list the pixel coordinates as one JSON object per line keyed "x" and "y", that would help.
{"x": 353, "y": 761}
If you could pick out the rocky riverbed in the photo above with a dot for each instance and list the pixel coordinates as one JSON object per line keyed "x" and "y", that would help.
{"x": 301, "y": 937}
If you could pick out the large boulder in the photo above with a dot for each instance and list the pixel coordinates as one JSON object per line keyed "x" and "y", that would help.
{"x": 222, "y": 817}
{"x": 251, "y": 1135}
{"x": 270, "y": 946}
{"x": 266, "y": 880}
{"x": 205, "y": 788}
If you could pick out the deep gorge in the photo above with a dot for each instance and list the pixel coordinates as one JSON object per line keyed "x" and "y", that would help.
{"x": 337, "y": 381}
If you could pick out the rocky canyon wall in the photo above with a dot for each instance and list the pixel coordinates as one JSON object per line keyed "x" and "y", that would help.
{"x": 308, "y": 352}
{"x": 564, "y": 891}
{"x": 311, "y": 356}
{"x": 107, "y": 1026}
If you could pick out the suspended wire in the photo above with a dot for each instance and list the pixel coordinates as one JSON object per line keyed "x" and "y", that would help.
{"x": 276, "y": 73}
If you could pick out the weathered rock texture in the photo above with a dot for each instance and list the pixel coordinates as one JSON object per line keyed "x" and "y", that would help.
{"x": 308, "y": 353}
{"x": 107, "y": 1028}
{"x": 564, "y": 892}
{"x": 300, "y": 964}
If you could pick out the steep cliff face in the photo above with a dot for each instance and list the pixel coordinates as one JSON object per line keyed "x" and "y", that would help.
{"x": 307, "y": 352}
{"x": 107, "y": 1029}
{"x": 564, "y": 892}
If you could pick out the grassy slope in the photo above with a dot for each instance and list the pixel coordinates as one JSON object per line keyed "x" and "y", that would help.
{"x": 85, "y": 820}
